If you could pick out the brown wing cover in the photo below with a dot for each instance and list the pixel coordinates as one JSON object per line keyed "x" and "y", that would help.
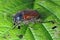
{"x": 30, "y": 14}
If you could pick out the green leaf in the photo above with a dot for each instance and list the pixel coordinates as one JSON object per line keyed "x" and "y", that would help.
{"x": 49, "y": 10}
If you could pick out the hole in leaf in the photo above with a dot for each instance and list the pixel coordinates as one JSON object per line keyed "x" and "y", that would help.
{"x": 20, "y": 36}
{"x": 54, "y": 27}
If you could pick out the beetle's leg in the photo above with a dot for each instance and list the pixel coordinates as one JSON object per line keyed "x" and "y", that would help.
{"x": 33, "y": 20}
{"x": 25, "y": 22}
{"x": 19, "y": 26}
{"x": 14, "y": 25}
{"x": 48, "y": 22}
{"x": 39, "y": 20}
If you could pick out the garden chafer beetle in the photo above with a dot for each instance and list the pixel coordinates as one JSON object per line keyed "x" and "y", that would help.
{"x": 27, "y": 16}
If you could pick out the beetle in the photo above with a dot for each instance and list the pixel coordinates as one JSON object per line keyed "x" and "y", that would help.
{"x": 26, "y": 16}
